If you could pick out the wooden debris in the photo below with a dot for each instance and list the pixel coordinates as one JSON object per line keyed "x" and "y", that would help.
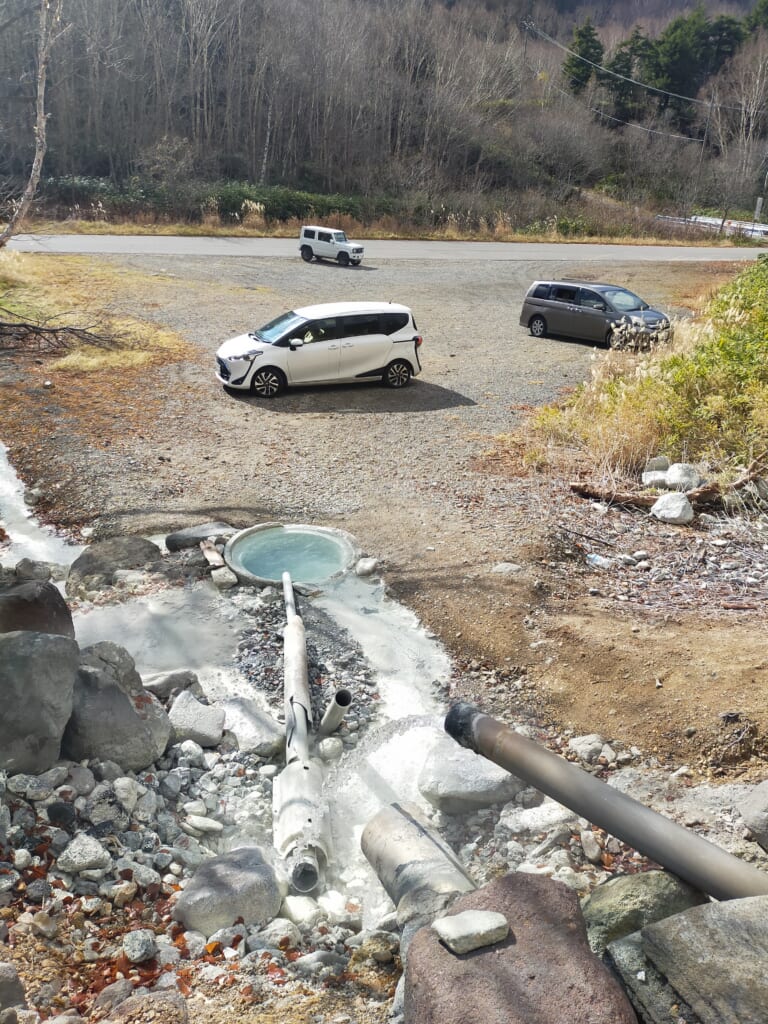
{"x": 212, "y": 554}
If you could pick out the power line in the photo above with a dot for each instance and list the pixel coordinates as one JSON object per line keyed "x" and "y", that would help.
{"x": 530, "y": 26}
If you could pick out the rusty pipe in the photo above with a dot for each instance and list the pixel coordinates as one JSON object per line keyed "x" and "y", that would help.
{"x": 692, "y": 858}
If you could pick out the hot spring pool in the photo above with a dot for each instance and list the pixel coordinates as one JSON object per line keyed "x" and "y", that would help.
{"x": 311, "y": 554}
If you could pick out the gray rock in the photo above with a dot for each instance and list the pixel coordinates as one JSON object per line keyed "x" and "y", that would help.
{"x": 167, "y": 1006}
{"x": 366, "y": 566}
{"x": 163, "y": 684}
{"x": 11, "y": 989}
{"x": 653, "y": 998}
{"x": 754, "y": 810}
{"x": 113, "y": 716}
{"x": 104, "y": 810}
{"x": 113, "y": 994}
{"x": 674, "y": 509}
{"x": 236, "y": 884}
{"x": 715, "y": 957}
{"x": 471, "y": 929}
{"x": 506, "y": 568}
{"x": 84, "y": 853}
{"x": 191, "y": 536}
{"x": 278, "y": 934}
{"x": 456, "y": 780}
{"x": 223, "y": 578}
{"x": 658, "y": 462}
{"x": 682, "y": 476}
{"x": 587, "y": 748}
{"x": 654, "y": 478}
{"x": 28, "y": 569}
{"x": 37, "y": 679}
{"x": 627, "y": 903}
{"x": 255, "y": 730}
{"x": 542, "y": 973}
{"x": 37, "y": 606}
{"x": 191, "y": 720}
{"x": 139, "y": 945}
{"x": 95, "y": 568}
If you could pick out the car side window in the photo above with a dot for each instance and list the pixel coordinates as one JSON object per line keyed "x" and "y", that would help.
{"x": 392, "y": 322}
{"x": 564, "y": 294}
{"x": 308, "y": 233}
{"x": 541, "y": 291}
{"x": 324, "y": 236}
{"x": 591, "y": 299}
{"x": 359, "y": 324}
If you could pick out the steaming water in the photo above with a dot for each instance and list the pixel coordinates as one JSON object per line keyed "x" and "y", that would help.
{"x": 29, "y": 539}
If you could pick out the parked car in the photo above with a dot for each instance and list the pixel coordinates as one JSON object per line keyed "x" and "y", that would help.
{"x": 323, "y": 344}
{"x": 328, "y": 243}
{"x": 605, "y": 313}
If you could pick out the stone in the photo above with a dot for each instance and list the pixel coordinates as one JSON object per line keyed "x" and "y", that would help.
{"x": 255, "y": 730}
{"x": 94, "y": 569}
{"x": 191, "y": 536}
{"x": 659, "y": 463}
{"x": 37, "y": 680}
{"x": 456, "y": 780}
{"x": 714, "y": 956}
{"x": 83, "y": 854}
{"x": 653, "y": 998}
{"x": 627, "y": 903}
{"x": 471, "y": 929}
{"x": 113, "y": 716}
{"x": 163, "y": 684}
{"x": 191, "y": 720}
{"x": 543, "y": 972}
{"x": 330, "y": 748}
{"x": 587, "y": 748}
{"x": 37, "y": 606}
{"x": 655, "y": 479}
{"x": 674, "y": 509}
{"x": 167, "y": 1006}
{"x": 11, "y": 988}
{"x": 753, "y": 808}
{"x": 238, "y": 884}
{"x": 223, "y": 578}
{"x": 366, "y": 566}
{"x": 278, "y": 934}
{"x": 682, "y": 476}
{"x": 506, "y": 568}
{"x": 139, "y": 945}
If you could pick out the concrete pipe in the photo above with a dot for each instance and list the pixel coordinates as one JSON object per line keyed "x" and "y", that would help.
{"x": 334, "y": 713}
{"x": 298, "y": 705}
{"x": 409, "y": 856}
{"x": 301, "y": 823}
{"x": 686, "y": 854}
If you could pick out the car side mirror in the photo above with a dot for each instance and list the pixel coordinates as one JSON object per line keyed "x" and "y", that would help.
{"x": 296, "y": 343}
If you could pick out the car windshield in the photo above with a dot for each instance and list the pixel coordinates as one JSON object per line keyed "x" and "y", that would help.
{"x": 339, "y": 236}
{"x": 626, "y": 301}
{"x": 280, "y": 326}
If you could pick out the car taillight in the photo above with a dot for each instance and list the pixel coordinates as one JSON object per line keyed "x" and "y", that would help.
{"x": 419, "y": 340}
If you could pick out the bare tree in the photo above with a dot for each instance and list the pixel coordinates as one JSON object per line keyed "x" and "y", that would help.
{"x": 49, "y": 30}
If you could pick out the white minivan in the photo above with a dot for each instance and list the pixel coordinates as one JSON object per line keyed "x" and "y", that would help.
{"x": 324, "y": 344}
{"x": 328, "y": 243}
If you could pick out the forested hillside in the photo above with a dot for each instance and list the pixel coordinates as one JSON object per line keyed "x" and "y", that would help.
{"x": 440, "y": 104}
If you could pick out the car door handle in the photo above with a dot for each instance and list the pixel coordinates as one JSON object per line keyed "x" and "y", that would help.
{"x": 348, "y": 344}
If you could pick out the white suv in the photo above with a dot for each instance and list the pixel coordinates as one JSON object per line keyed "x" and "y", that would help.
{"x": 331, "y": 243}
{"x": 335, "y": 341}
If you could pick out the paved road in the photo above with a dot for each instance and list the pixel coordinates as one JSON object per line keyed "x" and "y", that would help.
{"x": 172, "y": 245}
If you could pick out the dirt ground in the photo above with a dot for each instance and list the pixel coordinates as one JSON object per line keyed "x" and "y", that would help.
{"x": 683, "y": 676}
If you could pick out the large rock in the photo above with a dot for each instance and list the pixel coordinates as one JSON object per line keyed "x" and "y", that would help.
{"x": 238, "y": 884}
{"x": 627, "y": 903}
{"x": 456, "y": 780}
{"x": 192, "y": 535}
{"x": 95, "y": 568}
{"x": 35, "y": 605}
{"x": 543, "y": 973}
{"x": 192, "y": 720}
{"x": 654, "y": 999}
{"x": 715, "y": 957}
{"x": 754, "y": 810}
{"x": 673, "y": 508}
{"x": 37, "y": 679}
{"x": 255, "y": 731}
{"x": 113, "y": 716}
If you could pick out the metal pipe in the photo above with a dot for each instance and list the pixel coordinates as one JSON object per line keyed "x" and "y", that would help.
{"x": 289, "y": 597}
{"x": 334, "y": 713}
{"x": 692, "y": 858}
{"x": 298, "y": 704}
{"x": 301, "y": 823}
{"x": 409, "y": 856}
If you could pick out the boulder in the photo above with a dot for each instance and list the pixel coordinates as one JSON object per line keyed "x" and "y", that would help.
{"x": 673, "y": 508}
{"x": 456, "y": 780}
{"x": 37, "y": 606}
{"x": 95, "y": 568}
{"x": 191, "y": 536}
{"x": 256, "y": 731}
{"x": 714, "y": 956}
{"x": 113, "y": 716}
{"x": 238, "y": 884}
{"x": 543, "y": 972}
{"x": 627, "y": 903}
{"x": 191, "y": 720}
{"x": 654, "y": 999}
{"x": 37, "y": 679}
{"x": 682, "y": 476}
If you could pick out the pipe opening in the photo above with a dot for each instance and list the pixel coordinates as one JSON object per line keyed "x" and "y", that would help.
{"x": 305, "y": 875}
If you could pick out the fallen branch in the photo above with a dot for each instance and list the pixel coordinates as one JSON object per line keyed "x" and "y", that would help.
{"x": 18, "y": 333}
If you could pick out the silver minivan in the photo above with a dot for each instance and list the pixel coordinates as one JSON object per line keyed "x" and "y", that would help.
{"x": 589, "y": 311}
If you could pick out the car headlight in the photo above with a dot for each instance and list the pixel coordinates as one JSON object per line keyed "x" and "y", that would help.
{"x": 250, "y": 354}
{"x": 637, "y": 321}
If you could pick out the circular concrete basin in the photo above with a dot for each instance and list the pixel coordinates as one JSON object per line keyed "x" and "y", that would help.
{"x": 311, "y": 554}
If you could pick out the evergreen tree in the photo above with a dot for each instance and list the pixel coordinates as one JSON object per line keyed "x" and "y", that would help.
{"x": 587, "y": 50}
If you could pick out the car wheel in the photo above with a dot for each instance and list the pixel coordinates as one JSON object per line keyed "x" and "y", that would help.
{"x": 611, "y": 338}
{"x": 343, "y": 259}
{"x": 268, "y": 382}
{"x": 538, "y": 327}
{"x": 397, "y": 374}
{"x": 306, "y": 253}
